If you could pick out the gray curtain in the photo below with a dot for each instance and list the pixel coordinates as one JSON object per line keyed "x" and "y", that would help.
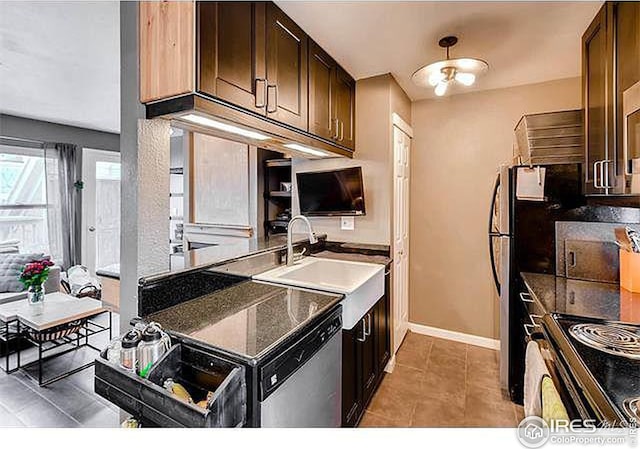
{"x": 67, "y": 164}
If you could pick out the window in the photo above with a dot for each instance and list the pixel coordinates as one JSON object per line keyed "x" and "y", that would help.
{"x": 25, "y": 213}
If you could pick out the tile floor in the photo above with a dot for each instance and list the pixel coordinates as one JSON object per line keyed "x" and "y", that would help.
{"x": 70, "y": 402}
{"x": 436, "y": 383}
{"x": 441, "y": 383}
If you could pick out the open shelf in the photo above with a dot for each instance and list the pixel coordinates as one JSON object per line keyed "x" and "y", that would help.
{"x": 276, "y": 200}
{"x": 278, "y": 163}
{"x": 279, "y": 194}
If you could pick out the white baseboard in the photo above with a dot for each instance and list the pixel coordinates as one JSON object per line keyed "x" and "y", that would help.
{"x": 391, "y": 364}
{"x": 455, "y": 336}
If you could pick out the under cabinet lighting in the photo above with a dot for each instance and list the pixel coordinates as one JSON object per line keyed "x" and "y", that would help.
{"x": 205, "y": 121}
{"x": 303, "y": 149}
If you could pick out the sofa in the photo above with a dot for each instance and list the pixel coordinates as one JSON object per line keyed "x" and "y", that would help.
{"x": 51, "y": 285}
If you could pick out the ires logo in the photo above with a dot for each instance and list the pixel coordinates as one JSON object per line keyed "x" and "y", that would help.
{"x": 575, "y": 425}
{"x": 534, "y": 432}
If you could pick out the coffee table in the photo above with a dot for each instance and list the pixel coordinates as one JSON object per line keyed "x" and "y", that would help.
{"x": 61, "y": 324}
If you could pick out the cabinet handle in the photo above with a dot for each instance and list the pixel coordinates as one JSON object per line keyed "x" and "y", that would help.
{"x": 341, "y": 131}
{"x": 337, "y": 122}
{"x": 533, "y": 317}
{"x": 527, "y": 332}
{"x": 605, "y": 171}
{"x": 275, "y": 90}
{"x": 261, "y": 92}
{"x": 364, "y": 335}
{"x": 368, "y": 332}
{"x": 526, "y": 297}
{"x": 595, "y": 175}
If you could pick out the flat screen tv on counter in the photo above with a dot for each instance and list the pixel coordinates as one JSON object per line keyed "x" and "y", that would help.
{"x": 331, "y": 193}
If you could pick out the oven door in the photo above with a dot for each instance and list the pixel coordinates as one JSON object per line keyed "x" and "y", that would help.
{"x": 574, "y": 401}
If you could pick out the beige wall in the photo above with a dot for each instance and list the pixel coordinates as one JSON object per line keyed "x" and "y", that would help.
{"x": 459, "y": 142}
{"x": 376, "y": 99}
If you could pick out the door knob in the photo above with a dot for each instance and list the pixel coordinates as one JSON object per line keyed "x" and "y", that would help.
{"x": 92, "y": 228}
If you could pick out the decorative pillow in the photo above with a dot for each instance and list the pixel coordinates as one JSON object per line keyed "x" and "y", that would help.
{"x": 10, "y": 268}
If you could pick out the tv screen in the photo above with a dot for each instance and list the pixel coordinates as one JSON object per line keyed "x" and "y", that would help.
{"x": 335, "y": 192}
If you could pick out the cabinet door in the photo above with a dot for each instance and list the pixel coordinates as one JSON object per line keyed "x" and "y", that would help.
{"x": 166, "y": 49}
{"x": 369, "y": 368}
{"x": 231, "y": 48}
{"x": 596, "y": 78}
{"x": 627, "y": 60}
{"x": 382, "y": 330}
{"x": 351, "y": 376}
{"x": 322, "y": 73}
{"x": 287, "y": 63}
{"x": 345, "y": 108}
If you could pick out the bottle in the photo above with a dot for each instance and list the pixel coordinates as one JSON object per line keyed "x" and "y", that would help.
{"x": 151, "y": 348}
{"x": 129, "y": 350}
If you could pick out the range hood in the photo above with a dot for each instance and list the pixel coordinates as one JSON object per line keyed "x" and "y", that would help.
{"x": 209, "y": 115}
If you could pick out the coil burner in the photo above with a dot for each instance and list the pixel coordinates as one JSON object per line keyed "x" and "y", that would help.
{"x": 611, "y": 339}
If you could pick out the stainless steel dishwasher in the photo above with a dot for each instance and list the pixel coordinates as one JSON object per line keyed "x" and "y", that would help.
{"x": 302, "y": 387}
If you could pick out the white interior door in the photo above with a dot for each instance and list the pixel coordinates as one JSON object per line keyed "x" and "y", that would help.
{"x": 401, "y": 147}
{"x": 101, "y": 210}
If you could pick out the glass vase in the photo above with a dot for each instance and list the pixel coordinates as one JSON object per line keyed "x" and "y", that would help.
{"x": 35, "y": 295}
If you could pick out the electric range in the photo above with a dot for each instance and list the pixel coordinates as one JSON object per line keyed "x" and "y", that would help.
{"x": 599, "y": 363}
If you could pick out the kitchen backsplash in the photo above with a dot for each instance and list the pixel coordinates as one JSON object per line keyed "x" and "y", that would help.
{"x": 586, "y": 250}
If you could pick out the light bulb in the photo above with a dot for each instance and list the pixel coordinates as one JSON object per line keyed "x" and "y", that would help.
{"x": 465, "y": 78}
{"x": 435, "y": 78}
{"x": 441, "y": 88}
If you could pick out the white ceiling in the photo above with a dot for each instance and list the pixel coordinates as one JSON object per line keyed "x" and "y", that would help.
{"x": 60, "y": 62}
{"x": 526, "y": 42}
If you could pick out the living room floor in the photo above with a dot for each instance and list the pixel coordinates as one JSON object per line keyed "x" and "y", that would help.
{"x": 69, "y": 402}
{"x": 442, "y": 383}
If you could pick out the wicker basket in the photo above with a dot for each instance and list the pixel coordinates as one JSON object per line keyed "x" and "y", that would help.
{"x": 57, "y": 332}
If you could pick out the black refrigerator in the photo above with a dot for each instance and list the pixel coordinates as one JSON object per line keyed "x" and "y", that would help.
{"x": 522, "y": 238}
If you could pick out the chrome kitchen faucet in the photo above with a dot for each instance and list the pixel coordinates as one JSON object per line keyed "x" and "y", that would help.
{"x": 291, "y": 256}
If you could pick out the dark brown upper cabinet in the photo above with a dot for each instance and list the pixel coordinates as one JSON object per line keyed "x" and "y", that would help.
{"x": 345, "y": 104}
{"x": 610, "y": 65}
{"x": 254, "y": 56}
{"x": 231, "y": 43}
{"x": 331, "y": 98}
{"x": 247, "y": 63}
{"x": 286, "y": 47}
{"x": 322, "y": 76}
{"x": 597, "y": 66}
{"x": 627, "y": 73}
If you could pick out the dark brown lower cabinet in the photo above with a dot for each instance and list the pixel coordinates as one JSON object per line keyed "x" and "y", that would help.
{"x": 365, "y": 352}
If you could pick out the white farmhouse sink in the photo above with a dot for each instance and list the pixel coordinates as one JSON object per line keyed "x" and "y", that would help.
{"x": 361, "y": 283}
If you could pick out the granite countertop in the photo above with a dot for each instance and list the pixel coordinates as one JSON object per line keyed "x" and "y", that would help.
{"x": 248, "y": 319}
{"x": 355, "y": 257}
{"x": 222, "y": 253}
{"x": 583, "y": 298}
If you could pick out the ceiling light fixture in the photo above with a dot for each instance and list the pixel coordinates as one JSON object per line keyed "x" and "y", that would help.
{"x": 441, "y": 74}
{"x": 205, "y": 121}
{"x": 303, "y": 149}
